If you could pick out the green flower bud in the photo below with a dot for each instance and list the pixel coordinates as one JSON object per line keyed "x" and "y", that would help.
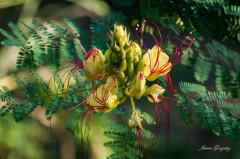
{"x": 123, "y": 65}
{"x": 136, "y": 59}
{"x": 130, "y": 70}
{"x": 116, "y": 47}
{"x": 130, "y": 56}
{"x": 127, "y": 48}
{"x": 120, "y": 35}
{"x": 121, "y": 76}
{"x": 140, "y": 66}
{"x": 107, "y": 53}
{"x": 114, "y": 58}
{"x": 136, "y": 48}
{"x": 123, "y": 54}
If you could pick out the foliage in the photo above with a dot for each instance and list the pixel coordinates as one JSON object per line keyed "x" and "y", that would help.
{"x": 123, "y": 141}
{"x": 217, "y": 58}
{"x": 199, "y": 17}
{"x": 211, "y": 109}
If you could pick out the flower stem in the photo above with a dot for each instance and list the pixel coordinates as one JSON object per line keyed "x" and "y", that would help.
{"x": 132, "y": 103}
{"x": 122, "y": 100}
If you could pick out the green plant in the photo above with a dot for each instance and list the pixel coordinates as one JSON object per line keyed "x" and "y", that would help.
{"x": 122, "y": 70}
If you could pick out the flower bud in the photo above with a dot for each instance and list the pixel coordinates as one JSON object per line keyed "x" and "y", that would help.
{"x": 114, "y": 58}
{"x": 137, "y": 88}
{"x": 120, "y": 35}
{"x": 121, "y": 76}
{"x": 93, "y": 63}
{"x": 123, "y": 65}
{"x": 107, "y": 53}
{"x": 141, "y": 65}
{"x": 130, "y": 56}
{"x": 130, "y": 70}
{"x": 116, "y": 47}
{"x": 136, "y": 59}
{"x": 123, "y": 54}
{"x": 153, "y": 93}
{"x": 136, "y": 48}
{"x": 140, "y": 85}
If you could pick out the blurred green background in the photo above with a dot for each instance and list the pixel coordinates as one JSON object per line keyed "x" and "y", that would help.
{"x": 34, "y": 138}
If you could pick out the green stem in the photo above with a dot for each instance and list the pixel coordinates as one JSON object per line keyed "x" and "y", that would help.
{"x": 132, "y": 103}
{"x": 122, "y": 100}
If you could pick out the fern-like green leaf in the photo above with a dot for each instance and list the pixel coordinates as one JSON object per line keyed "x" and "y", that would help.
{"x": 187, "y": 87}
{"x": 202, "y": 69}
{"x": 233, "y": 10}
{"x": 229, "y": 108}
{"x": 124, "y": 141}
{"x": 100, "y": 30}
{"x": 214, "y": 96}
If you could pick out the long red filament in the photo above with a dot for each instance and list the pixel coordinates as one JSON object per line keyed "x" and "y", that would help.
{"x": 160, "y": 35}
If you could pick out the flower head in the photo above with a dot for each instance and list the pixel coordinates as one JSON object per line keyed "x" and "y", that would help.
{"x": 153, "y": 93}
{"x": 135, "y": 120}
{"x": 106, "y": 96}
{"x": 155, "y": 63}
{"x": 93, "y": 62}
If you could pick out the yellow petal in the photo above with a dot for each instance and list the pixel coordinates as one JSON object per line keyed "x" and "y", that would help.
{"x": 146, "y": 64}
{"x": 165, "y": 70}
{"x": 152, "y": 77}
{"x": 154, "y": 61}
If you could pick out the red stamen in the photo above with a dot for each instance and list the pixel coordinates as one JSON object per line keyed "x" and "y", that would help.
{"x": 170, "y": 84}
{"x": 160, "y": 35}
{"x": 165, "y": 105}
{"x": 158, "y": 112}
{"x": 140, "y": 39}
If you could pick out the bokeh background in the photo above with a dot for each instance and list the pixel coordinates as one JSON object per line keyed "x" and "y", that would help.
{"x": 35, "y": 138}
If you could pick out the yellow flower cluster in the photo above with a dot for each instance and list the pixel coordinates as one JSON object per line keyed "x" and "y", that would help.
{"x": 125, "y": 71}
